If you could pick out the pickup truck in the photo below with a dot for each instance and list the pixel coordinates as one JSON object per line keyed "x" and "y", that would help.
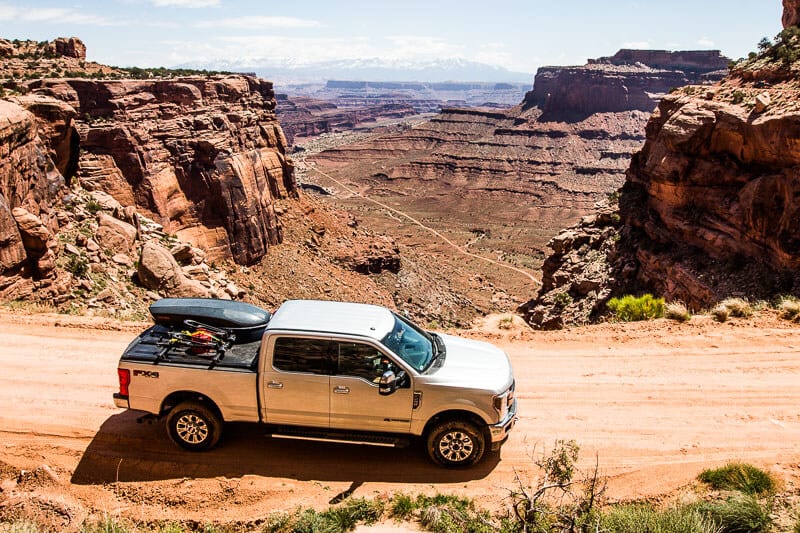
{"x": 317, "y": 370}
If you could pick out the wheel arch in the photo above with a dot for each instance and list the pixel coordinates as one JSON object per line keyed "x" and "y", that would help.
{"x": 178, "y": 397}
{"x": 456, "y": 414}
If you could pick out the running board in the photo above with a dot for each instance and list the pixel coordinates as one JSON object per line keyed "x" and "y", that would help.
{"x": 386, "y": 441}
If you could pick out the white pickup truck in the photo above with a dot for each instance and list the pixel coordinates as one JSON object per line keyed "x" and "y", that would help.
{"x": 317, "y": 370}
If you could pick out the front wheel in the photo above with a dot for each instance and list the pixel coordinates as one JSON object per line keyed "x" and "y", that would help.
{"x": 456, "y": 443}
{"x": 193, "y": 426}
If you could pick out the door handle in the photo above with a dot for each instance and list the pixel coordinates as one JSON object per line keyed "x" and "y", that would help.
{"x": 341, "y": 390}
{"x": 275, "y": 385}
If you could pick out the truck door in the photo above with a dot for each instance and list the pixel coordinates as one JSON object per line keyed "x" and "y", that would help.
{"x": 297, "y": 384}
{"x": 355, "y": 402}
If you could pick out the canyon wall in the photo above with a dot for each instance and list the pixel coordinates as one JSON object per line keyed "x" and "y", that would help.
{"x": 303, "y": 117}
{"x": 203, "y": 156}
{"x": 709, "y": 209}
{"x": 514, "y": 177}
{"x": 630, "y": 79}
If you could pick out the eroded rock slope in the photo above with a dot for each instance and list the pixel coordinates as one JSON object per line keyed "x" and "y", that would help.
{"x": 710, "y": 204}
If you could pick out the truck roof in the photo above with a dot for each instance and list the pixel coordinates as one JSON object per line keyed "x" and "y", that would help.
{"x": 333, "y": 317}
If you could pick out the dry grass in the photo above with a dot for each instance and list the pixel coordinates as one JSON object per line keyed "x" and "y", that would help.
{"x": 677, "y": 311}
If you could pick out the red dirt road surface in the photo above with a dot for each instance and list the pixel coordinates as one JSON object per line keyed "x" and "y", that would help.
{"x": 654, "y": 403}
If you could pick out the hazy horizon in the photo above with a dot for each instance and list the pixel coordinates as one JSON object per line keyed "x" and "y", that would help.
{"x": 514, "y": 35}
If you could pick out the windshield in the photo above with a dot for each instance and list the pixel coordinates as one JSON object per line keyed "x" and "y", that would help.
{"x": 410, "y": 343}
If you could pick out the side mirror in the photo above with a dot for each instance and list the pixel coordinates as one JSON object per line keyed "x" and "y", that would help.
{"x": 387, "y": 384}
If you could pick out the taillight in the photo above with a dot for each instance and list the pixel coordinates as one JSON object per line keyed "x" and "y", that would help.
{"x": 124, "y": 380}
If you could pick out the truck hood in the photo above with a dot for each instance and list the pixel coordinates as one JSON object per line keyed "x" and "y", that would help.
{"x": 473, "y": 364}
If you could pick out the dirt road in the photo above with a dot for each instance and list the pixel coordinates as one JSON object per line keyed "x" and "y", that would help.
{"x": 654, "y": 402}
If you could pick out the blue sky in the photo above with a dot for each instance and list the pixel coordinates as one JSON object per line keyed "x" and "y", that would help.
{"x": 515, "y": 34}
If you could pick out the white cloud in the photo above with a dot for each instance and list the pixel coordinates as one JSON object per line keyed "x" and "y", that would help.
{"x": 255, "y": 49}
{"x": 257, "y": 22}
{"x": 705, "y": 42}
{"x": 639, "y": 45}
{"x": 192, "y": 4}
{"x": 52, "y": 14}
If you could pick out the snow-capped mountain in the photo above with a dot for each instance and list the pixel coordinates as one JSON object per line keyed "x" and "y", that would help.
{"x": 373, "y": 69}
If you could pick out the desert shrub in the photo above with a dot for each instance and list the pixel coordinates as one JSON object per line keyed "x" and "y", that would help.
{"x": 632, "y": 308}
{"x": 677, "y": 311}
{"x": 743, "y": 477}
{"x": 738, "y": 96}
{"x": 562, "y": 299}
{"x": 738, "y": 514}
{"x": 796, "y": 526}
{"x": 732, "y": 307}
{"x": 402, "y": 506}
{"x": 739, "y": 307}
{"x": 93, "y": 206}
{"x": 789, "y": 307}
{"x": 78, "y": 266}
{"x": 720, "y": 313}
{"x": 505, "y": 322}
{"x": 557, "y": 501}
{"x": 636, "y": 518}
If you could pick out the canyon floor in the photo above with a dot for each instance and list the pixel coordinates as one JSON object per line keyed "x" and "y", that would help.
{"x": 653, "y": 403}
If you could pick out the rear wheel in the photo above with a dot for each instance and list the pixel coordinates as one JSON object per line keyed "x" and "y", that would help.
{"x": 456, "y": 443}
{"x": 194, "y": 426}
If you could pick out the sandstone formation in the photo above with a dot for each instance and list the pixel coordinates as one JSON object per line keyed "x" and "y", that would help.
{"x": 158, "y": 270}
{"x": 791, "y": 13}
{"x": 203, "y": 156}
{"x": 308, "y": 117}
{"x": 67, "y": 47}
{"x": 63, "y": 57}
{"x": 28, "y": 187}
{"x": 709, "y": 208}
{"x": 630, "y": 79}
{"x": 505, "y": 181}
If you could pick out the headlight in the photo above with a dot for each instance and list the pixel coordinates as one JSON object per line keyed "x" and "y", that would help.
{"x": 502, "y": 403}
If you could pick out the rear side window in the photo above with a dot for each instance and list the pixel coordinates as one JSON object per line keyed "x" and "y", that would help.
{"x": 293, "y": 354}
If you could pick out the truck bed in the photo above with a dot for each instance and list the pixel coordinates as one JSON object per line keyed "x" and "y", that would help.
{"x": 153, "y": 346}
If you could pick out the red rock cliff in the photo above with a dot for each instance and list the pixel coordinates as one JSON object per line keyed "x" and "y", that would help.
{"x": 630, "y": 79}
{"x": 204, "y": 156}
{"x": 709, "y": 209}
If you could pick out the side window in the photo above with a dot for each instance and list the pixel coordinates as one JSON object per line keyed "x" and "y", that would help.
{"x": 293, "y": 354}
{"x": 360, "y": 360}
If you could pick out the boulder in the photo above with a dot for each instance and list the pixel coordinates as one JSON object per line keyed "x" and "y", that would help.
{"x": 115, "y": 235}
{"x": 158, "y": 271}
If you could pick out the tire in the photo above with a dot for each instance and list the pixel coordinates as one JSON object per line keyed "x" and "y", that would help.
{"x": 193, "y": 426}
{"x": 456, "y": 443}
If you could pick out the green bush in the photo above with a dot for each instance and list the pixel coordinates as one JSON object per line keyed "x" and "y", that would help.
{"x": 78, "y": 266}
{"x": 402, "y": 507}
{"x": 631, "y": 308}
{"x": 738, "y": 514}
{"x": 742, "y": 477}
{"x": 638, "y": 518}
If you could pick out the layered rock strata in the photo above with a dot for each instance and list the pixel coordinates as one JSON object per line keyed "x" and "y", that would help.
{"x": 630, "y": 79}
{"x": 29, "y": 184}
{"x": 308, "y": 117}
{"x": 203, "y": 156}
{"x": 514, "y": 177}
{"x": 709, "y": 208}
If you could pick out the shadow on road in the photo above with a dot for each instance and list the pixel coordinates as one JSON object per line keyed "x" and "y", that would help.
{"x": 123, "y": 450}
